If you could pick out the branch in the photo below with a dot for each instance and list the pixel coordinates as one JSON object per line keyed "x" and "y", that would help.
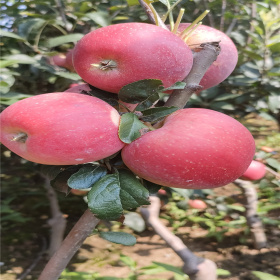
{"x": 57, "y": 222}
{"x": 253, "y": 220}
{"x": 202, "y": 60}
{"x": 151, "y": 14}
{"x": 196, "y": 268}
{"x": 71, "y": 244}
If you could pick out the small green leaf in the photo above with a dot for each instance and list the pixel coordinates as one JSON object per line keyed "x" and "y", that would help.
{"x": 133, "y": 194}
{"x": 11, "y": 35}
{"x": 100, "y": 17}
{"x": 139, "y": 91}
{"x": 178, "y": 85}
{"x": 148, "y": 102}
{"x": 51, "y": 171}
{"x": 223, "y": 272}
{"x": 274, "y": 163}
{"x": 130, "y": 128}
{"x": 104, "y": 198}
{"x": 155, "y": 114}
{"x": 110, "y": 98}
{"x": 128, "y": 261}
{"x": 86, "y": 177}
{"x": 119, "y": 237}
{"x": 265, "y": 276}
{"x": 60, "y": 40}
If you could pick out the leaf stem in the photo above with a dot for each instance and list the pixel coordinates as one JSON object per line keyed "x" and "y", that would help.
{"x": 178, "y": 21}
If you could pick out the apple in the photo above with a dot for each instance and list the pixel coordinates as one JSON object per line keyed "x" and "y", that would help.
{"x": 79, "y": 88}
{"x": 194, "y": 149}
{"x": 69, "y": 61}
{"x": 255, "y": 171}
{"x": 61, "y": 128}
{"x": 197, "y": 204}
{"x": 227, "y": 59}
{"x": 114, "y": 56}
{"x": 58, "y": 60}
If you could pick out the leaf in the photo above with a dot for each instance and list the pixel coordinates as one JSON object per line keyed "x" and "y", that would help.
{"x": 11, "y": 35}
{"x": 155, "y": 114}
{"x": 265, "y": 276}
{"x": 110, "y": 98}
{"x": 134, "y": 221}
{"x": 274, "y": 163}
{"x": 119, "y": 238}
{"x": 133, "y": 194}
{"x": 169, "y": 267}
{"x": 67, "y": 75}
{"x": 20, "y": 58}
{"x": 178, "y": 85}
{"x": 130, "y": 126}
{"x": 128, "y": 261}
{"x": 139, "y": 91}
{"x": 30, "y": 27}
{"x": 104, "y": 198}
{"x": 151, "y": 187}
{"x": 51, "y": 171}
{"x": 86, "y": 177}
{"x": 60, "y": 40}
{"x": 100, "y": 17}
{"x": 148, "y": 102}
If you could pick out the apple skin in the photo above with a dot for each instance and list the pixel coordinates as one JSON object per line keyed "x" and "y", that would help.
{"x": 194, "y": 149}
{"x": 227, "y": 59}
{"x": 61, "y": 128}
{"x": 255, "y": 171}
{"x": 136, "y": 50}
{"x": 197, "y": 204}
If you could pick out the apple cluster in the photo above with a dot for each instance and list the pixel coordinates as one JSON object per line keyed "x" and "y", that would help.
{"x": 193, "y": 148}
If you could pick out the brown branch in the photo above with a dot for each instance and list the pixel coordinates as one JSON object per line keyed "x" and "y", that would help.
{"x": 196, "y": 268}
{"x": 57, "y": 221}
{"x": 202, "y": 60}
{"x": 253, "y": 220}
{"x": 71, "y": 244}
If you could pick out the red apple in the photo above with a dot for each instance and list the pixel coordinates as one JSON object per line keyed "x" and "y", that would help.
{"x": 79, "y": 88}
{"x": 197, "y": 204}
{"x": 255, "y": 171}
{"x": 69, "y": 61}
{"x": 61, "y": 128}
{"x": 194, "y": 149}
{"x": 58, "y": 60}
{"x": 114, "y": 56}
{"x": 227, "y": 59}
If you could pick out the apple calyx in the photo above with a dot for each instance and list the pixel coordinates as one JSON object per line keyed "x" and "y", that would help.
{"x": 20, "y": 137}
{"x": 106, "y": 65}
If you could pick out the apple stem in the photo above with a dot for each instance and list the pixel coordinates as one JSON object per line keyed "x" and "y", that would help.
{"x": 170, "y": 15}
{"x": 105, "y": 65}
{"x": 186, "y": 33}
{"x": 178, "y": 21}
{"x": 20, "y": 137}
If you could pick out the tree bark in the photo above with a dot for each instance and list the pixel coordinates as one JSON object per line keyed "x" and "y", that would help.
{"x": 71, "y": 244}
{"x": 196, "y": 268}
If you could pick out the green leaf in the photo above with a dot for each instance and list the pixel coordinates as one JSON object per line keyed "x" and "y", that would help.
{"x": 119, "y": 237}
{"x": 130, "y": 128}
{"x": 132, "y": 2}
{"x": 30, "y": 27}
{"x": 11, "y": 35}
{"x": 134, "y": 221}
{"x": 104, "y": 198}
{"x": 274, "y": 163}
{"x": 110, "y": 98}
{"x": 51, "y": 171}
{"x": 140, "y": 91}
{"x": 178, "y": 85}
{"x": 100, "y": 17}
{"x": 68, "y": 75}
{"x": 133, "y": 194}
{"x": 151, "y": 187}
{"x": 86, "y": 177}
{"x": 128, "y": 261}
{"x": 265, "y": 276}
{"x": 60, "y": 40}
{"x": 20, "y": 58}
{"x": 223, "y": 272}
{"x": 169, "y": 267}
{"x": 155, "y": 114}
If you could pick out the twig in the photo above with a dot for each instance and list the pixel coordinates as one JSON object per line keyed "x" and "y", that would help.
{"x": 231, "y": 26}
{"x": 57, "y": 222}
{"x": 196, "y": 268}
{"x": 276, "y": 174}
{"x": 202, "y": 60}
{"x": 35, "y": 262}
{"x": 210, "y": 17}
{"x": 71, "y": 244}
{"x": 253, "y": 220}
{"x": 151, "y": 16}
{"x": 222, "y": 21}
{"x": 253, "y": 16}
